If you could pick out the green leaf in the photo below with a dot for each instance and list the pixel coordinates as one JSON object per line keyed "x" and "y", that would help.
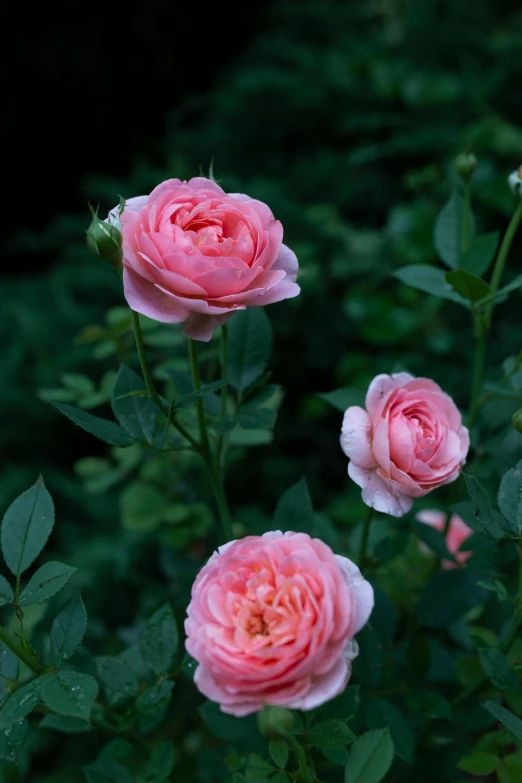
{"x": 249, "y": 346}
{"x": 6, "y": 592}
{"x": 507, "y": 289}
{"x": 447, "y": 235}
{"x": 469, "y": 286}
{"x": 12, "y": 738}
{"x": 510, "y": 498}
{"x": 478, "y": 763}
{"x": 107, "y": 772}
{"x": 483, "y": 509}
{"x": 68, "y": 629}
{"x": 256, "y": 418}
{"x": 448, "y": 596}
{"x": 257, "y": 768}
{"x": 204, "y": 390}
{"x": 429, "y": 279}
{"x": 341, "y": 399}
{"x": 498, "y": 670}
{"x": 119, "y": 681}
{"x": 279, "y": 751}
{"x": 155, "y": 698}
{"x": 160, "y": 640}
{"x": 70, "y": 693}
{"x": 47, "y": 581}
{"x": 331, "y": 734}
{"x": 26, "y": 526}
{"x": 481, "y": 253}
{"x": 506, "y": 717}
{"x": 225, "y": 424}
{"x": 381, "y": 714}
{"x": 9, "y": 663}
{"x": 138, "y": 415}
{"x": 294, "y": 510}
{"x": 513, "y": 765}
{"x": 226, "y": 727}
{"x": 160, "y": 763}
{"x": 105, "y": 430}
{"x": 370, "y": 757}
{"x": 67, "y": 725}
{"x": 346, "y": 705}
{"x": 433, "y": 539}
{"x": 20, "y": 703}
{"x": 428, "y": 704}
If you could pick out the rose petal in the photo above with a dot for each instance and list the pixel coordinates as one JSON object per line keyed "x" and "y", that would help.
{"x": 377, "y": 494}
{"x": 146, "y": 298}
{"x": 380, "y": 388}
{"x": 356, "y": 437}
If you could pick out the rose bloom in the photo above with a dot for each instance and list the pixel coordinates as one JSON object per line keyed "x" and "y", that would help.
{"x": 272, "y": 620}
{"x": 194, "y": 254}
{"x": 409, "y": 441}
{"x": 458, "y": 532}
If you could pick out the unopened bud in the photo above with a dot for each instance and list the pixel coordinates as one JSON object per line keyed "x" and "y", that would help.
{"x": 274, "y": 722}
{"x": 515, "y": 181}
{"x": 465, "y": 164}
{"x": 516, "y": 421}
{"x": 104, "y": 240}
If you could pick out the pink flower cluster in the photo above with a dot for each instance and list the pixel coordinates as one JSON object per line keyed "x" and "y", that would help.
{"x": 409, "y": 441}
{"x": 272, "y": 621}
{"x": 193, "y": 254}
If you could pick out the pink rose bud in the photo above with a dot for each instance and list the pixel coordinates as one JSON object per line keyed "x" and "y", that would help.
{"x": 458, "y": 532}
{"x": 193, "y": 254}
{"x": 409, "y": 441}
{"x": 272, "y": 620}
{"x": 275, "y": 722}
{"x": 104, "y": 239}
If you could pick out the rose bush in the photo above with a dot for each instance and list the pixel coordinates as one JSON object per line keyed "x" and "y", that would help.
{"x": 194, "y": 254}
{"x": 272, "y": 621}
{"x": 409, "y": 441}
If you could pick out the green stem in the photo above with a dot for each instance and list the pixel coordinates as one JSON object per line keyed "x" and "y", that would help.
{"x": 202, "y": 448}
{"x": 501, "y": 260}
{"x": 466, "y": 223}
{"x": 29, "y": 660}
{"x": 483, "y": 323}
{"x": 504, "y": 646}
{"x": 364, "y": 538}
{"x": 221, "y": 500}
{"x": 149, "y": 383}
{"x": 224, "y": 393}
{"x": 213, "y": 471}
{"x": 478, "y": 370}
{"x": 196, "y": 383}
{"x": 300, "y": 754}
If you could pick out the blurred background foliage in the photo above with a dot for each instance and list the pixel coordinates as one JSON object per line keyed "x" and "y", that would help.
{"x": 345, "y": 118}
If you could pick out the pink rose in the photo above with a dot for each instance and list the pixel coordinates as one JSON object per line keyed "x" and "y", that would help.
{"x": 409, "y": 441}
{"x": 194, "y": 254}
{"x": 272, "y": 621}
{"x": 458, "y": 532}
